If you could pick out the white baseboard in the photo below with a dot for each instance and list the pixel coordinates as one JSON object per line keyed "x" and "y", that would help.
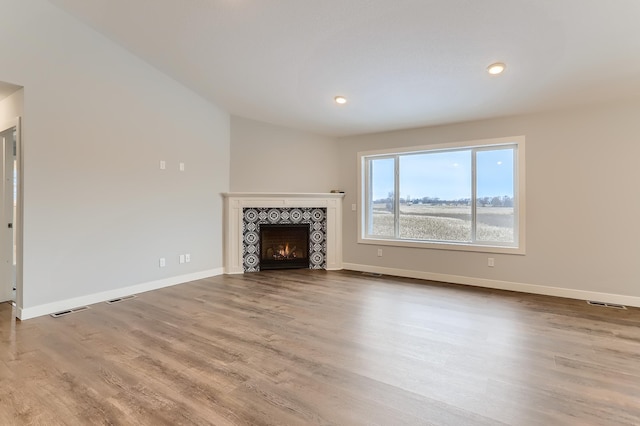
{"x": 501, "y": 285}
{"x": 63, "y": 305}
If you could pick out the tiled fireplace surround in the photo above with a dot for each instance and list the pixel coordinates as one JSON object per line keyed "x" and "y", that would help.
{"x": 236, "y": 204}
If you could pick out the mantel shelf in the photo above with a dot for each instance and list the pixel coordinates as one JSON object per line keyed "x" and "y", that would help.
{"x": 283, "y": 194}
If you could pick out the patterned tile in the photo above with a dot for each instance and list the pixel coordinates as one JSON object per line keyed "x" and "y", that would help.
{"x": 252, "y": 218}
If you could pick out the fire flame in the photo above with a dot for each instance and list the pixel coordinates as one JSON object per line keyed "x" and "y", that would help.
{"x": 284, "y": 252}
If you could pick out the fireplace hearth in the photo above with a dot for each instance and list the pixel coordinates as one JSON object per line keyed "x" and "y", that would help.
{"x": 284, "y": 246}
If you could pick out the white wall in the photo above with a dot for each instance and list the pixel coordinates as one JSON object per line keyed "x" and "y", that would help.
{"x": 98, "y": 212}
{"x": 270, "y": 158}
{"x": 582, "y": 211}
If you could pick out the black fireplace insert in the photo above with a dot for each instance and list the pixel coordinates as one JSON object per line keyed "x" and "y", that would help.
{"x": 284, "y": 246}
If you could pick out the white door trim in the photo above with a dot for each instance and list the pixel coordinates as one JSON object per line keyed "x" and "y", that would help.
{"x": 17, "y": 220}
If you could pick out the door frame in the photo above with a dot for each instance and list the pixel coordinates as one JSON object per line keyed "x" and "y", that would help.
{"x": 17, "y": 220}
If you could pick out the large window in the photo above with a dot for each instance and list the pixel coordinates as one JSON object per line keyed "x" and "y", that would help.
{"x": 467, "y": 196}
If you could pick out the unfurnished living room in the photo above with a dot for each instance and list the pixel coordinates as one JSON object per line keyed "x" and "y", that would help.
{"x": 339, "y": 212}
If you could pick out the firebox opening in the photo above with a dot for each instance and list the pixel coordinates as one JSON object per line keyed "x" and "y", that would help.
{"x": 284, "y": 246}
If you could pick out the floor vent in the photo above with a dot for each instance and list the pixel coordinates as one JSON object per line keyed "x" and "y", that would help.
{"x": 121, "y": 299}
{"x": 606, "y": 305}
{"x": 69, "y": 311}
{"x": 372, "y": 274}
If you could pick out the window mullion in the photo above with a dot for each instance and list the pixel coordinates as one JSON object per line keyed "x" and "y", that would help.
{"x": 516, "y": 198}
{"x": 474, "y": 195}
{"x": 396, "y": 201}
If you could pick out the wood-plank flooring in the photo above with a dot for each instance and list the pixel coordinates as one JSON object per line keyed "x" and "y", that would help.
{"x": 302, "y": 347}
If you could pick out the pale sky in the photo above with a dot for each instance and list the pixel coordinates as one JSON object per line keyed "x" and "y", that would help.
{"x": 446, "y": 175}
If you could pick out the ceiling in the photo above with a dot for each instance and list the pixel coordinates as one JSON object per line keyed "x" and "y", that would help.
{"x": 400, "y": 63}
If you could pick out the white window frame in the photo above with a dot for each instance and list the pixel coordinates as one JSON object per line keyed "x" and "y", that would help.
{"x": 518, "y": 247}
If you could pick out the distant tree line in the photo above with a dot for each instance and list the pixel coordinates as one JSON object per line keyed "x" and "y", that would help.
{"x": 504, "y": 201}
{"x": 495, "y": 201}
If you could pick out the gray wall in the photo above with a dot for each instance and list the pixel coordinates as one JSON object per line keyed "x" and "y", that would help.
{"x": 582, "y": 207}
{"x": 270, "y": 158}
{"x": 98, "y": 212}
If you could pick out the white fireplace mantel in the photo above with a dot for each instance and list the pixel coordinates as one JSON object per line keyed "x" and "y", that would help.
{"x": 236, "y": 201}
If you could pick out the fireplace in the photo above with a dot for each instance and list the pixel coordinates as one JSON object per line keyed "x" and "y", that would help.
{"x": 246, "y": 213}
{"x": 312, "y": 221}
{"x": 284, "y": 246}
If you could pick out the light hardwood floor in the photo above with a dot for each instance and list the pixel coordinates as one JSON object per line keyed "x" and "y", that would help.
{"x": 317, "y": 347}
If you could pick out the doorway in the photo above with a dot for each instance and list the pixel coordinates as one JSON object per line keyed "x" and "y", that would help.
{"x": 9, "y": 171}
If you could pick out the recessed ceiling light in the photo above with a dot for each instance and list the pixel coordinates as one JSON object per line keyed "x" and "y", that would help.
{"x": 496, "y": 68}
{"x": 340, "y": 100}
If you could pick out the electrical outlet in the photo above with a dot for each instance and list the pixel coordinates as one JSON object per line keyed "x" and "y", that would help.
{"x": 163, "y": 165}
{"x": 354, "y": 207}
{"x": 491, "y": 262}
{"x": 181, "y": 167}
{"x": 187, "y": 257}
{"x": 163, "y": 262}
{"x": 182, "y": 258}
{"x": 379, "y": 252}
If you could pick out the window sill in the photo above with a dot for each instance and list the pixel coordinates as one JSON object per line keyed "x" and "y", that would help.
{"x": 481, "y": 248}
